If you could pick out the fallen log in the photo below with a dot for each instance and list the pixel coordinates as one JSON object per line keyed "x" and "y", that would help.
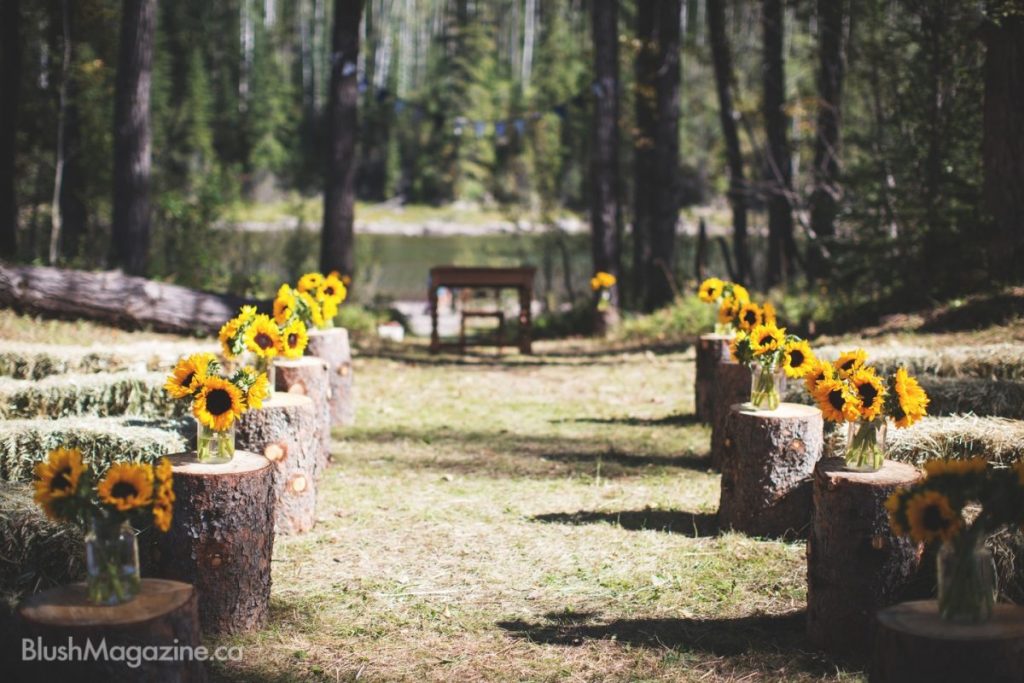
{"x": 114, "y": 298}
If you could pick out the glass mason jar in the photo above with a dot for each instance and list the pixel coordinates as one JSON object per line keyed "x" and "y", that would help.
{"x": 967, "y": 583}
{"x": 266, "y": 365}
{"x": 865, "y": 445}
{"x": 111, "y": 561}
{"x": 214, "y": 447}
{"x": 767, "y": 384}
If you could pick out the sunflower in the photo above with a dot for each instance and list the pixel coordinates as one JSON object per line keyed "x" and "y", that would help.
{"x": 871, "y": 392}
{"x": 911, "y": 402}
{"x": 837, "y": 402}
{"x": 329, "y": 309}
{"x": 258, "y": 391}
{"x": 710, "y": 290}
{"x": 739, "y": 346}
{"x": 850, "y": 362}
{"x": 894, "y": 505}
{"x": 739, "y": 293}
{"x": 750, "y": 316}
{"x": 294, "y": 339}
{"x": 126, "y": 486}
{"x": 820, "y": 370}
{"x": 218, "y": 404}
{"x": 57, "y": 478}
{"x": 955, "y": 468}
{"x": 931, "y": 517}
{"x": 188, "y": 375}
{"x": 335, "y": 289}
{"x": 727, "y": 312}
{"x": 246, "y": 314}
{"x": 163, "y": 500}
{"x": 284, "y": 304}
{"x": 263, "y": 337}
{"x": 310, "y": 282}
{"x": 766, "y": 338}
{"x": 162, "y": 515}
{"x": 798, "y": 359}
{"x": 316, "y": 315}
{"x": 768, "y": 313}
{"x": 229, "y": 336}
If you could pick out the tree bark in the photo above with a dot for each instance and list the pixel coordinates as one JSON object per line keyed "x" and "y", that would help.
{"x": 332, "y": 346}
{"x": 308, "y": 376}
{"x": 731, "y": 385}
{"x": 856, "y": 565}
{"x": 10, "y": 81}
{"x": 605, "y": 211}
{"x": 221, "y": 539}
{"x": 915, "y": 644}
{"x": 725, "y": 81}
{"x": 56, "y": 205}
{"x": 778, "y": 168}
{"x": 712, "y": 349}
{"x": 645, "y": 65}
{"x": 337, "y": 251}
{"x": 767, "y": 467}
{"x": 164, "y": 614}
{"x": 1003, "y": 142}
{"x": 133, "y": 137}
{"x": 824, "y": 199}
{"x": 114, "y": 298}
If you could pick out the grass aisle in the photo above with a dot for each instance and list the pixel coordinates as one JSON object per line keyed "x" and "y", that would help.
{"x": 528, "y": 519}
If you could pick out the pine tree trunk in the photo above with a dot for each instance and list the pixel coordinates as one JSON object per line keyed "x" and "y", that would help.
{"x": 1003, "y": 143}
{"x": 337, "y": 251}
{"x": 724, "y": 83}
{"x": 824, "y": 199}
{"x": 605, "y": 219}
{"x": 778, "y": 169}
{"x": 132, "y": 137}
{"x": 10, "y": 80}
{"x": 645, "y": 66}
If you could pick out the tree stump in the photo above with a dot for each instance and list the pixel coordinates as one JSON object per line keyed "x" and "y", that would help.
{"x": 332, "y": 346}
{"x": 766, "y": 469}
{"x": 307, "y": 376}
{"x": 731, "y": 386}
{"x": 914, "y": 643}
{"x": 221, "y": 539}
{"x": 855, "y": 564}
{"x": 286, "y": 430}
{"x": 163, "y": 614}
{"x": 711, "y": 350}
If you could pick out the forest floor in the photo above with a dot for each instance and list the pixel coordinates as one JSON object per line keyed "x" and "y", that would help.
{"x": 528, "y": 518}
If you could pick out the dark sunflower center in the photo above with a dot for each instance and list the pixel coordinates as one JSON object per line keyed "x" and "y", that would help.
{"x": 766, "y": 339}
{"x": 796, "y": 358}
{"x": 750, "y": 317}
{"x": 263, "y": 340}
{"x": 218, "y": 402}
{"x": 124, "y": 489}
{"x": 187, "y": 381}
{"x": 846, "y": 365}
{"x": 293, "y": 339}
{"x": 61, "y": 480}
{"x": 835, "y": 399}
{"x": 868, "y": 394}
{"x": 329, "y": 291}
{"x": 933, "y": 519}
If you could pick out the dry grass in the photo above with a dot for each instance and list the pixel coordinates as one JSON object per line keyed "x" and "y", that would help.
{"x": 99, "y": 394}
{"x": 30, "y": 360}
{"x": 1002, "y": 361}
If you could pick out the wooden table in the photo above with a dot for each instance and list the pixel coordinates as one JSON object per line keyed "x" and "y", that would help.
{"x": 454, "y": 277}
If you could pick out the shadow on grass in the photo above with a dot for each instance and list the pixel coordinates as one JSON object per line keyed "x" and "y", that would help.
{"x": 673, "y": 420}
{"x": 699, "y": 524}
{"x": 419, "y": 354}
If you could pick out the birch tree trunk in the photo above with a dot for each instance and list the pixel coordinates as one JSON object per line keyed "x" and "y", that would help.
{"x": 62, "y": 107}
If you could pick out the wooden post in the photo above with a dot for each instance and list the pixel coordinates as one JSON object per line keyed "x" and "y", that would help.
{"x": 711, "y": 350}
{"x": 308, "y": 376}
{"x": 766, "y": 471}
{"x": 163, "y": 614}
{"x": 914, "y": 643}
{"x": 221, "y": 539}
{"x": 332, "y": 346}
{"x": 286, "y": 430}
{"x": 731, "y": 385}
{"x": 855, "y": 564}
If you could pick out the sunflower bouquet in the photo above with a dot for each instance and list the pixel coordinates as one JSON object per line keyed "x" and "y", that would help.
{"x": 731, "y": 298}
{"x": 960, "y": 503}
{"x": 851, "y": 391}
{"x": 264, "y": 337}
{"x": 601, "y": 284}
{"x": 314, "y": 301}
{"x": 106, "y": 505}
{"x": 217, "y": 401}
{"x": 771, "y": 355}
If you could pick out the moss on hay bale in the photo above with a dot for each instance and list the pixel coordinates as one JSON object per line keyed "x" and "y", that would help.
{"x": 36, "y": 361}
{"x": 23, "y": 443}
{"x": 102, "y": 394}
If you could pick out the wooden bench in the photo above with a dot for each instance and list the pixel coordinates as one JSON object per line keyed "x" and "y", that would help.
{"x": 457, "y": 277}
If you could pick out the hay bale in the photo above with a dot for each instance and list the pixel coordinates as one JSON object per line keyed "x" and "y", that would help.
{"x": 23, "y": 443}
{"x": 20, "y": 360}
{"x": 986, "y": 361}
{"x": 958, "y": 436}
{"x": 101, "y": 394}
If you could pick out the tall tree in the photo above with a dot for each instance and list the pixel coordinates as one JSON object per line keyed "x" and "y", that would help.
{"x": 721, "y": 56}
{"x": 10, "y": 79}
{"x": 825, "y": 197}
{"x": 1003, "y": 136}
{"x": 56, "y": 204}
{"x": 778, "y": 171}
{"x": 133, "y": 137}
{"x": 605, "y": 217}
{"x": 337, "y": 246}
